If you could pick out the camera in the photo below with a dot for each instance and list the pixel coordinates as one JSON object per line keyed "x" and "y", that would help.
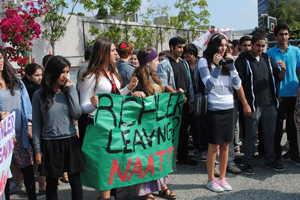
{"x": 225, "y": 61}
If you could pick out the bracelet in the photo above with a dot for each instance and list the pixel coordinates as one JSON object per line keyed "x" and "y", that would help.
{"x": 128, "y": 88}
{"x": 29, "y": 124}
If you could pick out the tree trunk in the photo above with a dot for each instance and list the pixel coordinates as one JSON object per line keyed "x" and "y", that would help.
{"x": 53, "y": 48}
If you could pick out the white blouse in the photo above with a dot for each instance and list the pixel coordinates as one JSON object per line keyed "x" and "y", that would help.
{"x": 87, "y": 91}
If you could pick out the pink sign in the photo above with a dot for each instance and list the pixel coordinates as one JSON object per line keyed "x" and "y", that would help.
{"x": 7, "y": 132}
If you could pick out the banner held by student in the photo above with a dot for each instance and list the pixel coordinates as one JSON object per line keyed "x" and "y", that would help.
{"x": 7, "y": 133}
{"x": 133, "y": 140}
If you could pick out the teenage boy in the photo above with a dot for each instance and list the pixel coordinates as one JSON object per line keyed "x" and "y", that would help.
{"x": 258, "y": 74}
{"x": 197, "y": 123}
{"x": 174, "y": 73}
{"x": 287, "y": 90}
{"x": 162, "y": 55}
{"x": 236, "y": 50}
{"x": 245, "y": 43}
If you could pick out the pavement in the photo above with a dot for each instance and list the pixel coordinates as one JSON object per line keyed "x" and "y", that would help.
{"x": 188, "y": 182}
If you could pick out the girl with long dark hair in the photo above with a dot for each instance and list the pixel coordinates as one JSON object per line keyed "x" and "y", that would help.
{"x": 32, "y": 81}
{"x": 149, "y": 85}
{"x": 55, "y": 141}
{"x": 102, "y": 77}
{"x": 33, "y": 78}
{"x": 219, "y": 78}
{"x": 14, "y": 98}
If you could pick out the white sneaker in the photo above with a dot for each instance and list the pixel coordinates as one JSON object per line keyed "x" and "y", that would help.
{"x": 225, "y": 185}
{"x": 214, "y": 186}
{"x": 194, "y": 153}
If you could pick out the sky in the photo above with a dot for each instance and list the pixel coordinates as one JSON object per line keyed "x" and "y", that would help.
{"x": 236, "y": 14}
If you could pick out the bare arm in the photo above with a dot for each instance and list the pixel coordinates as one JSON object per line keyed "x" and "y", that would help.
{"x": 283, "y": 69}
{"x": 170, "y": 89}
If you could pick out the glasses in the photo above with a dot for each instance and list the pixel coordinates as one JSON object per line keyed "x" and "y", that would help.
{"x": 283, "y": 34}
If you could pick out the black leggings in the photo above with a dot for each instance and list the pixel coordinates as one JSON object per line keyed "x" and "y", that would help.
{"x": 29, "y": 181}
{"x": 76, "y": 187}
{"x": 7, "y": 190}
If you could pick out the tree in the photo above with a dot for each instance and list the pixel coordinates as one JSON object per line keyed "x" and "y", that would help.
{"x": 57, "y": 21}
{"x": 151, "y": 34}
{"x": 188, "y": 18}
{"x": 18, "y": 28}
{"x": 120, "y": 10}
{"x": 287, "y": 11}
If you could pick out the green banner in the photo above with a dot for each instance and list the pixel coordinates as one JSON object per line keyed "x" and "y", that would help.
{"x": 133, "y": 140}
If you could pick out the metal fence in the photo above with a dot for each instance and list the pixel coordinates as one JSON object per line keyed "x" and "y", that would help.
{"x": 271, "y": 44}
{"x": 163, "y": 34}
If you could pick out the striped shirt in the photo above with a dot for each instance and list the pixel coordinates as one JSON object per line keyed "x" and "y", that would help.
{"x": 219, "y": 87}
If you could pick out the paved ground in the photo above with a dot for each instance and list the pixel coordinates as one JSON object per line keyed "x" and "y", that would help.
{"x": 189, "y": 184}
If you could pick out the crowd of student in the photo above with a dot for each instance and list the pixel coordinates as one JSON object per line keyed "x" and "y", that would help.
{"x": 249, "y": 92}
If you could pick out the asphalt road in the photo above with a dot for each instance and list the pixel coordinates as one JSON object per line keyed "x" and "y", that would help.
{"x": 188, "y": 182}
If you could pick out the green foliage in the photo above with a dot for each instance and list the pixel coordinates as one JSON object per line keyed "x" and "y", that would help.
{"x": 144, "y": 37}
{"x": 287, "y": 11}
{"x": 117, "y": 32}
{"x": 189, "y": 19}
{"x": 152, "y": 35}
{"x": 56, "y": 21}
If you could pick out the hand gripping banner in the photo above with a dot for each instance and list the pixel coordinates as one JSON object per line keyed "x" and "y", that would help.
{"x": 132, "y": 140}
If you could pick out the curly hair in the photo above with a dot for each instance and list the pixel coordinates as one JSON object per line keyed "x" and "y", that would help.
{"x": 143, "y": 74}
{"x": 11, "y": 79}
{"x": 125, "y": 52}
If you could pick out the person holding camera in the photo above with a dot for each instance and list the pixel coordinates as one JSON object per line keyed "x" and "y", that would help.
{"x": 219, "y": 76}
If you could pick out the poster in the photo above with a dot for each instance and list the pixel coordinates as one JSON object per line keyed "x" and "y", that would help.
{"x": 7, "y": 133}
{"x": 133, "y": 140}
{"x": 297, "y": 120}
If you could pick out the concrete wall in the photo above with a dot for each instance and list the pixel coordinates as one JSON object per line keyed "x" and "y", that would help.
{"x": 71, "y": 45}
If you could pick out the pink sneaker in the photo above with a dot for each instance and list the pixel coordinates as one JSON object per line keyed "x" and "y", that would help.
{"x": 214, "y": 186}
{"x": 225, "y": 185}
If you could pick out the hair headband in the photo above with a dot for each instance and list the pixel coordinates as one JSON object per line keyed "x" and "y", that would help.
{"x": 218, "y": 35}
{"x": 151, "y": 56}
{"x": 123, "y": 45}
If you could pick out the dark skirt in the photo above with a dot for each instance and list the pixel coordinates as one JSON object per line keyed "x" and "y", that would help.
{"x": 61, "y": 156}
{"x": 219, "y": 126}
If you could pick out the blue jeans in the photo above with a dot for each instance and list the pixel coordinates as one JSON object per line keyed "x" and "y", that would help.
{"x": 267, "y": 115}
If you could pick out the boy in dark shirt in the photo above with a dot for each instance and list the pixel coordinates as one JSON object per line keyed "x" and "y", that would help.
{"x": 258, "y": 74}
{"x": 175, "y": 76}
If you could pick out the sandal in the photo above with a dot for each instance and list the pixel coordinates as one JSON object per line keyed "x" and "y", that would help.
{"x": 149, "y": 197}
{"x": 168, "y": 195}
{"x": 65, "y": 178}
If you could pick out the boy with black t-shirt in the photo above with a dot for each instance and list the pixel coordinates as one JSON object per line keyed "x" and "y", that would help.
{"x": 258, "y": 74}
{"x": 175, "y": 76}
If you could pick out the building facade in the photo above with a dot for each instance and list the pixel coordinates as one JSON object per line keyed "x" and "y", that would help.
{"x": 263, "y": 8}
